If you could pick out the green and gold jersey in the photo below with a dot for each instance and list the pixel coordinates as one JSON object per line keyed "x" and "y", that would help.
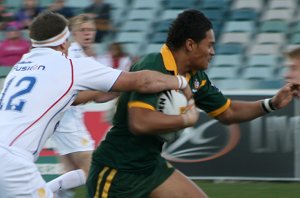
{"x": 125, "y": 151}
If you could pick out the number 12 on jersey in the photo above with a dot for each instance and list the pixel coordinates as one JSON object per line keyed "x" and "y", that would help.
{"x": 15, "y": 100}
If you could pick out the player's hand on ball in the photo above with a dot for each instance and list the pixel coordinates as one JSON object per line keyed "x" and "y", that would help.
{"x": 191, "y": 114}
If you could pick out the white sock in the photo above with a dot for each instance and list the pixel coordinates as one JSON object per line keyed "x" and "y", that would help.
{"x": 68, "y": 180}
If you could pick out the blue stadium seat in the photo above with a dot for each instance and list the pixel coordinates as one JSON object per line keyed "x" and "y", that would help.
{"x": 239, "y": 26}
{"x": 178, "y": 4}
{"x": 229, "y": 48}
{"x": 225, "y": 60}
{"x": 295, "y": 38}
{"x": 163, "y": 25}
{"x": 243, "y": 14}
{"x": 263, "y": 60}
{"x": 159, "y": 37}
{"x": 222, "y": 72}
{"x": 258, "y": 73}
{"x": 274, "y": 26}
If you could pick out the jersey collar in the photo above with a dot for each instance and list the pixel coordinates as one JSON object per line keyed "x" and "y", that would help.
{"x": 168, "y": 59}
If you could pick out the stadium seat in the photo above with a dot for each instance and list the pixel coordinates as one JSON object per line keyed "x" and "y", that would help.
{"x": 135, "y": 26}
{"x": 115, "y": 4}
{"x": 295, "y": 27}
{"x": 258, "y": 73}
{"x": 234, "y": 84}
{"x": 255, "y": 4}
{"x": 150, "y": 48}
{"x": 229, "y": 48}
{"x": 159, "y": 37}
{"x": 130, "y": 37}
{"x": 178, "y": 4}
{"x": 163, "y": 25}
{"x": 139, "y": 14}
{"x": 278, "y": 14}
{"x": 215, "y": 4}
{"x": 146, "y": 4}
{"x": 133, "y": 49}
{"x": 265, "y": 49}
{"x": 235, "y": 37}
{"x": 274, "y": 26}
{"x": 170, "y": 14}
{"x": 243, "y": 14}
{"x": 77, "y": 4}
{"x": 295, "y": 39}
{"x": 222, "y": 72}
{"x": 234, "y": 60}
{"x": 263, "y": 60}
{"x": 270, "y": 38}
{"x": 239, "y": 26}
{"x": 280, "y": 4}
{"x": 213, "y": 14}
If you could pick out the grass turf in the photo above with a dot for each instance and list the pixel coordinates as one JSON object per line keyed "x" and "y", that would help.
{"x": 241, "y": 189}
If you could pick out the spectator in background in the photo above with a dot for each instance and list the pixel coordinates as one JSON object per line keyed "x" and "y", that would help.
{"x": 59, "y": 7}
{"x": 27, "y": 12}
{"x": 116, "y": 58}
{"x": 100, "y": 11}
{"x": 5, "y": 16}
{"x": 13, "y": 46}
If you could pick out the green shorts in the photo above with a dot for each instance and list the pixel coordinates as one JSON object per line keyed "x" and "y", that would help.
{"x": 104, "y": 181}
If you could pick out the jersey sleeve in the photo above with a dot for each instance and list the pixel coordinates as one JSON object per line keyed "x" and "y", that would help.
{"x": 91, "y": 75}
{"x": 207, "y": 96}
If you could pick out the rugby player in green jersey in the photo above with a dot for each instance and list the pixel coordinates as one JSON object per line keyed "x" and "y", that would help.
{"x": 128, "y": 163}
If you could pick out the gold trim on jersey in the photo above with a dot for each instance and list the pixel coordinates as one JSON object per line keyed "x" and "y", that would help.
{"x": 140, "y": 105}
{"x": 100, "y": 177}
{"x": 221, "y": 109}
{"x": 108, "y": 181}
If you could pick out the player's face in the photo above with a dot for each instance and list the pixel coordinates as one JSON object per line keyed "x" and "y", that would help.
{"x": 85, "y": 34}
{"x": 203, "y": 52}
{"x": 293, "y": 72}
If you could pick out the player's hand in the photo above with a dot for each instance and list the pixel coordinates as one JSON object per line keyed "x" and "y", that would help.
{"x": 285, "y": 95}
{"x": 191, "y": 114}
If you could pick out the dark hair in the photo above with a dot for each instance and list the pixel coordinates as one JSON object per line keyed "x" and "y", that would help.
{"x": 47, "y": 25}
{"x": 191, "y": 24}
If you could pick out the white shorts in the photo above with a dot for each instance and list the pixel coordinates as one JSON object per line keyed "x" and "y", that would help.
{"x": 66, "y": 142}
{"x": 20, "y": 176}
{"x": 71, "y": 134}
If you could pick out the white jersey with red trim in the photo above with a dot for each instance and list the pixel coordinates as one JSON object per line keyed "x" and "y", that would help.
{"x": 71, "y": 135}
{"x": 39, "y": 89}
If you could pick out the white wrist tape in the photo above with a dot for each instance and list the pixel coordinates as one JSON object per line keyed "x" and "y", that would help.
{"x": 267, "y": 105}
{"x": 182, "y": 83}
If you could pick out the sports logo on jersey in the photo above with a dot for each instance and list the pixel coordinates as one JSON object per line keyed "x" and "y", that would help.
{"x": 198, "y": 85}
{"x": 29, "y": 68}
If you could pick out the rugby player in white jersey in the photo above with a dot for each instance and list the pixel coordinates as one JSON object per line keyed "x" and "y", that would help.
{"x": 71, "y": 138}
{"x": 41, "y": 86}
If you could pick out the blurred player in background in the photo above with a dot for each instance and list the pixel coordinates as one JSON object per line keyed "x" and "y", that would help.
{"x": 39, "y": 89}
{"x": 72, "y": 139}
{"x": 293, "y": 64}
{"x": 128, "y": 162}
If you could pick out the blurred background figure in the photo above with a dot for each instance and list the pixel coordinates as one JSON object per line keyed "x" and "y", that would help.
{"x": 5, "y": 15}
{"x": 59, "y": 7}
{"x": 116, "y": 57}
{"x": 13, "y": 46}
{"x": 100, "y": 11}
{"x": 27, "y": 12}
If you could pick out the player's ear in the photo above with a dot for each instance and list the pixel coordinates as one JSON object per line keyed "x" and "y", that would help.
{"x": 65, "y": 46}
{"x": 189, "y": 44}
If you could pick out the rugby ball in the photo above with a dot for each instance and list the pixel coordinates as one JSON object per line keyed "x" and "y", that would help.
{"x": 171, "y": 102}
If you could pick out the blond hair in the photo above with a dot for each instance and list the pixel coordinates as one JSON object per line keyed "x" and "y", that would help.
{"x": 78, "y": 20}
{"x": 294, "y": 53}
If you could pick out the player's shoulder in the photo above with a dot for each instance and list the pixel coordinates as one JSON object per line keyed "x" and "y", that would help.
{"x": 151, "y": 61}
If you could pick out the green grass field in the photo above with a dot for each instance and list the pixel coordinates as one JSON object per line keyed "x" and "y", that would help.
{"x": 241, "y": 189}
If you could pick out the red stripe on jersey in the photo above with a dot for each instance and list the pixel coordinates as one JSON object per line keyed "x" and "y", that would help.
{"x": 72, "y": 82}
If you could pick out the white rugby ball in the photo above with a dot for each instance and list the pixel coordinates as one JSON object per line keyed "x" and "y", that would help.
{"x": 172, "y": 103}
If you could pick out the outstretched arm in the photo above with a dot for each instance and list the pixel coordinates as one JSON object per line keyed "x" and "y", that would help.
{"x": 240, "y": 111}
{"x": 147, "y": 81}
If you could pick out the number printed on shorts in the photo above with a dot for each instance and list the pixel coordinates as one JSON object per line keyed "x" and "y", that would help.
{"x": 15, "y": 101}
